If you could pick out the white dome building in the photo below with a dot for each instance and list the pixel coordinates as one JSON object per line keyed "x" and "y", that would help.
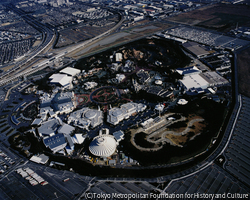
{"x": 158, "y": 82}
{"x": 182, "y": 102}
{"x": 159, "y": 107}
{"x": 103, "y": 145}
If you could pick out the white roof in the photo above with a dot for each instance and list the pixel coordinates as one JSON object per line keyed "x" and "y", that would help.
{"x": 86, "y": 117}
{"x": 118, "y": 57}
{"x": 37, "y": 121}
{"x": 194, "y": 81}
{"x": 182, "y": 102}
{"x": 40, "y": 159}
{"x": 78, "y": 138}
{"x": 90, "y": 114}
{"x": 103, "y": 145}
{"x": 62, "y": 79}
{"x": 158, "y": 82}
{"x": 159, "y": 107}
{"x": 70, "y": 71}
{"x": 66, "y": 129}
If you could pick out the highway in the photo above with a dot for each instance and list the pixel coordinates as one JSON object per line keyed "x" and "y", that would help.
{"x": 48, "y": 38}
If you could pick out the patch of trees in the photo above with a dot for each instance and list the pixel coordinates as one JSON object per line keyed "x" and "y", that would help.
{"x": 140, "y": 139}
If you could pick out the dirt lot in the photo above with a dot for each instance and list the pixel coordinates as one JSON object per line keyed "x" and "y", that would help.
{"x": 75, "y": 35}
{"x": 121, "y": 38}
{"x": 221, "y": 17}
{"x": 244, "y": 72}
{"x": 196, "y": 129}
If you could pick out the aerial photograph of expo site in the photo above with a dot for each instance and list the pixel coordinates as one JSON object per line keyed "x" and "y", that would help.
{"x": 132, "y": 99}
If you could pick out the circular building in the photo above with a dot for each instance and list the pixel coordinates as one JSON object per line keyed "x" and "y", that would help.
{"x": 159, "y": 107}
{"x": 182, "y": 102}
{"x": 103, "y": 145}
{"x": 91, "y": 114}
{"x": 158, "y": 82}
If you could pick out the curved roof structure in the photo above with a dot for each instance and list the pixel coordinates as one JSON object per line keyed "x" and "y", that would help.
{"x": 158, "y": 82}
{"x": 90, "y": 114}
{"x": 103, "y": 145}
{"x": 159, "y": 107}
{"x": 182, "y": 102}
{"x": 86, "y": 117}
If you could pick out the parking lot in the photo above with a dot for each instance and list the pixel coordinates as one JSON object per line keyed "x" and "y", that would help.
{"x": 207, "y": 37}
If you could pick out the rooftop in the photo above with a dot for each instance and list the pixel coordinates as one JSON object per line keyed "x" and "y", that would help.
{"x": 55, "y": 142}
{"x": 188, "y": 70}
{"x": 115, "y": 115}
{"x": 49, "y": 127}
{"x": 103, "y": 145}
{"x": 86, "y": 117}
{"x": 61, "y": 79}
{"x": 194, "y": 81}
{"x": 70, "y": 71}
{"x": 66, "y": 129}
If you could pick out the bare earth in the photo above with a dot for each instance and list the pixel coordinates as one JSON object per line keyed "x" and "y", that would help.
{"x": 222, "y": 17}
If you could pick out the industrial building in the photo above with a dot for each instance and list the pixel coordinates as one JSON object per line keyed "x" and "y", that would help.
{"x": 70, "y": 71}
{"x": 86, "y": 117}
{"x": 41, "y": 159}
{"x": 115, "y": 115}
{"x": 61, "y": 80}
{"x": 214, "y": 79}
{"x": 193, "y": 82}
{"x": 188, "y": 71}
{"x": 196, "y": 49}
{"x": 64, "y": 78}
{"x": 199, "y": 82}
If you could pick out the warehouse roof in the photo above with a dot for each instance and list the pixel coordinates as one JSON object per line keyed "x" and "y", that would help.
{"x": 66, "y": 129}
{"x": 196, "y": 49}
{"x": 55, "y": 141}
{"x": 194, "y": 81}
{"x": 70, "y": 71}
{"x": 61, "y": 79}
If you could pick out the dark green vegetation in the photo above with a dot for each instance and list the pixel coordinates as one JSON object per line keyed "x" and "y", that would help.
{"x": 141, "y": 141}
{"x": 31, "y": 111}
{"x": 151, "y": 50}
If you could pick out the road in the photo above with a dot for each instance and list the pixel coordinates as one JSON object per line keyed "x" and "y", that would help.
{"x": 49, "y": 37}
